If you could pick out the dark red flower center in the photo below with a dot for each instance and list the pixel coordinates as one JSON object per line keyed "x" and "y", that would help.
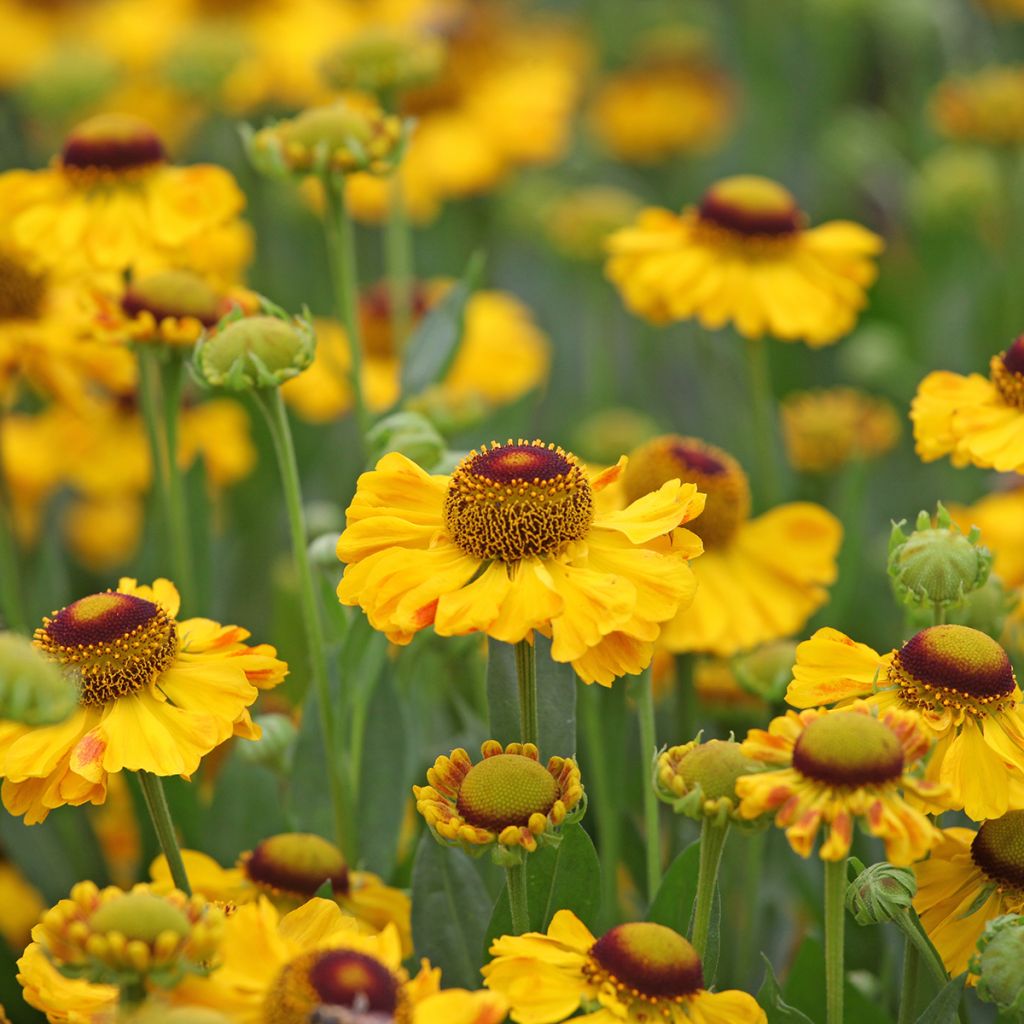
{"x": 649, "y": 959}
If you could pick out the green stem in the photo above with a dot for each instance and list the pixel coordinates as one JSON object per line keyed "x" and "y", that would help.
{"x": 908, "y": 988}
{"x": 712, "y": 842}
{"x": 341, "y": 253}
{"x": 938, "y": 614}
{"x": 398, "y": 256}
{"x": 151, "y": 403}
{"x": 762, "y": 403}
{"x": 272, "y": 406}
{"x": 515, "y": 875}
{"x": 599, "y": 793}
{"x": 160, "y": 814}
{"x": 835, "y": 921}
{"x": 526, "y": 672}
{"x": 926, "y": 951}
{"x": 648, "y": 747}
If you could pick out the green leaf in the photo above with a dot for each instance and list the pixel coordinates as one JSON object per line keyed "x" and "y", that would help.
{"x": 450, "y": 911}
{"x": 943, "y": 1009}
{"x": 710, "y": 962}
{"x": 673, "y": 902}
{"x": 309, "y": 796}
{"x": 433, "y": 345}
{"x": 562, "y": 877}
{"x": 556, "y": 697}
{"x": 769, "y": 997}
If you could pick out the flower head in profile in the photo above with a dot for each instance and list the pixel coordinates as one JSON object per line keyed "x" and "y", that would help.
{"x": 507, "y": 801}
{"x": 970, "y": 878}
{"x": 514, "y": 541}
{"x": 637, "y": 971}
{"x": 289, "y": 869}
{"x": 997, "y": 963}
{"x": 835, "y": 768}
{"x": 987, "y": 106}
{"x": 744, "y": 256}
{"x": 155, "y": 694}
{"x": 975, "y": 420}
{"x": 760, "y": 578}
{"x": 961, "y": 684}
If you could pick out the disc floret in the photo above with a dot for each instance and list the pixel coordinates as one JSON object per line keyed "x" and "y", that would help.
{"x": 998, "y": 850}
{"x": 518, "y": 500}
{"x": 507, "y": 801}
{"x": 1007, "y": 371}
{"x": 752, "y": 207}
{"x": 22, "y": 292}
{"x": 108, "y": 146}
{"x": 296, "y": 865}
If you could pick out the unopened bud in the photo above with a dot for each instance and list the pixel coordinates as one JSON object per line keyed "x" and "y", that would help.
{"x": 999, "y": 964}
{"x": 880, "y": 893}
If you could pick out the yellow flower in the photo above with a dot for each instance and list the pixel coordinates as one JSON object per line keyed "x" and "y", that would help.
{"x": 825, "y": 429}
{"x": 1000, "y": 517}
{"x": 64, "y": 1000}
{"x": 499, "y": 329}
{"x": 970, "y": 878}
{"x": 760, "y": 578}
{"x": 987, "y": 106}
{"x": 651, "y": 110}
{"x": 508, "y": 799}
{"x": 635, "y": 972}
{"x": 110, "y": 202}
{"x": 699, "y": 778}
{"x": 32, "y": 463}
{"x": 744, "y": 256}
{"x": 513, "y": 542}
{"x": 22, "y": 905}
{"x": 186, "y": 689}
{"x": 974, "y": 420}
{"x": 836, "y": 767}
{"x": 279, "y": 970}
{"x": 961, "y": 683}
{"x": 289, "y": 869}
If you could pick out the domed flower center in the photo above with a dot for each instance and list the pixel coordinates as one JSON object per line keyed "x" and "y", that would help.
{"x": 173, "y": 293}
{"x": 112, "y": 143}
{"x": 21, "y": 291}
{"x": 517, "y": 500}
{"x": 333, "y": 978}
{"x": 650, "y": 960}
{"x": 714, "y": 471}
{"x": 115, "y": 644}
{"x": 1007, "y": 372}
{"x": 954, "y": 667}
{"x": 714, "y": 766}
{"x": 140, "y": 915}
{"x": 751, "y": 205}
{"x": 846, "y": 748}
{"x": 297, "y": 863}
{"x": 376, "y": 317}
{"x": 998, "y": 849}
{"x": 505, "y": 790}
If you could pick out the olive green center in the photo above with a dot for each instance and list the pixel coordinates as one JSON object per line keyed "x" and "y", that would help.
{"x": 139, "y": 915}
{"x": 845, "y": 748}
{"x": 505, "y": 790}
{"x": 714, "y": 766}
{"x": 998, "y": 849}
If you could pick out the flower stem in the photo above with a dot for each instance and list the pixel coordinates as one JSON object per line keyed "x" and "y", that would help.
{"x": 526, "y": 672}
{"x": 835, "y": 921}
{"x": 712, "y": 842}
{"x": 648, "y": 747}
{"x": 762, "y": 405}
{"x": 398, "y": 255}
{"x": 908, "y": 988}
{"x": 341, "y": 254}
{"x": 926, "y": 951}
{"x": 515, "y": 875}
{"x": 938, "y": 614}
{"x": 272, "y": 405}
{"x": 160, "y": 814}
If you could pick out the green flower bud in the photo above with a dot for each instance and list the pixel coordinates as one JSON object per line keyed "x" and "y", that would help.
{"x": 999, "y": 963}
{"x": 603, "y": 436}
{"x": 985, "y": 609}
{"x": 766, "y": 671}
{"x": 936, "y": 564}
{"x": 880, "y": 893}
{"x": 33, "y": 690}
{"x": 409, "y": 433}
{"x": 260, "y": 351}
{"x": 384, "y": 58}
{"x": 274, "y": 748}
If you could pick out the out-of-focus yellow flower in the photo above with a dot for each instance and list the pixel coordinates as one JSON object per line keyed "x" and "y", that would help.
{"x": 825, "y": 429}
{"x": 578, "y": 223}
{"x": 745, "y": 256}
{"x": 715, "y": 683}
{"x": 975, "y": 420}
{"x": 987, "y": 106}
{"x": 1000, "y": 517}
{"x": 498, "y": 331}
{"x": 22, "y": 905}
{"x": 111, "y": 202}
{"x": 385, "y": 59}
{"x": 104, "y": 532}
{"x": 28, "y": 36}
{"x": 958, "y": 184}
{"x": 1003, "y": 8}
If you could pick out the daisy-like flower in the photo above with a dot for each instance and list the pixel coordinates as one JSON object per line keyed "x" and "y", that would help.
{"x": 289, "y": 869}
{"x": 498, "y": 329}
{"x": 960, "y": 682}
{"x": 636, "y": 972}
{"x": 987, "y": 106}
{"x": 508, "y": 800}
{"x": 699, "y": 779}
{"x": 759, "y": 578}
{"x": 837, "y": 767}
{"x": 281, "y": 970}
{"x": 111, "y": 202}
{"x": 970, "y": 878}
{"x": 745, "y": 256}
{"x": 976, "y": 421}
{"x": 156, "y": 695}
{"x": 513, "y": 541}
